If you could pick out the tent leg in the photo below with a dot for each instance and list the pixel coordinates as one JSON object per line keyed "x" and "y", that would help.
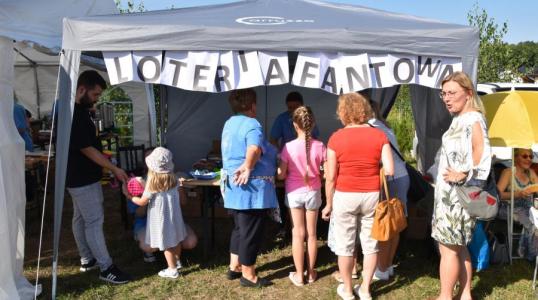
{"x": 65, "y": 93}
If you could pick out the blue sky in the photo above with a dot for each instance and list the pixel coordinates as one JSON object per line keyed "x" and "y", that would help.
{"x": 519, "y": 14}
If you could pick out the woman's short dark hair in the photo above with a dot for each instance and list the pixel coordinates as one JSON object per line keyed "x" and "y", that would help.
{"x": 294, "y": 97}
{"x": 242, "y": 100}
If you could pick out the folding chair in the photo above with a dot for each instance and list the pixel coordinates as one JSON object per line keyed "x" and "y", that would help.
{"x": 513, "y": 236}
{"x": 131, "y": 160}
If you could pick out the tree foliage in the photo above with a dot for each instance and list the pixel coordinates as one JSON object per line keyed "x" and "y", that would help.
{"x": 526, "y": 56}
{"x": 495, "y": 61}
{"x": 131, "y": 6}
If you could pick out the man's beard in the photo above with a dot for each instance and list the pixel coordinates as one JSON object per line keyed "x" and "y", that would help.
{"x": 85, "y": 101}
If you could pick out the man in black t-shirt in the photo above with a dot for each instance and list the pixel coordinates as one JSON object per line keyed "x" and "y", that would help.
{"x": 84, "y": 170}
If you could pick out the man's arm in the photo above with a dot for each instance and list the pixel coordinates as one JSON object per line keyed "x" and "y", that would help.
{"x": 98, "y": 158}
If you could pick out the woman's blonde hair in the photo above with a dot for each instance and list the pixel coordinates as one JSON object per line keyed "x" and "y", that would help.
{"x": 354, "y": 108}
{"x": 466, "y": 83}
{"x": 304, "y": 118}
{"x": 160, "y": 182}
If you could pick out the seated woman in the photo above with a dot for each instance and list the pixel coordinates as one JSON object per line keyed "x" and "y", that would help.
{"x": 523, "y": 199}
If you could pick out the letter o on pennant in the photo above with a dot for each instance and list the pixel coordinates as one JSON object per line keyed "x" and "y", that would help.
{"x": 140, "y": 69}
{"x": 411, "y": 73}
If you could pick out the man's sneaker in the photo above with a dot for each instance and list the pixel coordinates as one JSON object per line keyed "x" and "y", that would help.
{"x": 114, "y": 275}
{"x": 92, "y": 264}
{"x": 178, "y": 265}
{"x": 169, "y": 273}
{"x": 149, "y": 257}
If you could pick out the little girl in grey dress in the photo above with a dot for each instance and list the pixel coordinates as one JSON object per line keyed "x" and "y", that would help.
{"x": 165, "y": 228}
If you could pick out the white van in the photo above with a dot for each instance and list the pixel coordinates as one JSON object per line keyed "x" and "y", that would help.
{"x": 490, "y": 88}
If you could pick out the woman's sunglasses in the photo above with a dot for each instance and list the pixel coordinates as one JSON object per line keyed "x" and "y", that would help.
{"x": 526, "y": 156}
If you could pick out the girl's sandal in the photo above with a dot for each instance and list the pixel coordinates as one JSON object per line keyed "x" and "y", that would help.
{"x": 311, "y": 277}
{"x": 294, "y": 280}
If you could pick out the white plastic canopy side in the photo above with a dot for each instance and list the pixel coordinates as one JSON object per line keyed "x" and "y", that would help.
{"x": 13, "y": 285}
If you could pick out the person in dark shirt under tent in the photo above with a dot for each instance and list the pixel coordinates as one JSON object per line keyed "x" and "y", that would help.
{"x": 84, "y": 171}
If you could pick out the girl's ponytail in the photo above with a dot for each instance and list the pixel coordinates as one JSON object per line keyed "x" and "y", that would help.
{"x": 304, "y": 118}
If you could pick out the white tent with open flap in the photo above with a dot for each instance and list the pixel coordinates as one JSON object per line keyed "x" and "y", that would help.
{"x": 199, "y": 53}
{"x": 30, "y": 41}
{"x": 36, "y": 75}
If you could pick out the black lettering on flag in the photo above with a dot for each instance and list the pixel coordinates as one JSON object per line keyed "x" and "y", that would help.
{"x": 397, "y": 74}
{"x": 118, "y": 70}
{"x": 329, "y": 73}
{"x": 305, "y": 74}
{"x": 448, "y": 70}
{"x": 225, "y": 71}
{"x": 179, "y": 65}
{"x": 199, "y": 77}
{"x": 274, "y": 64}
{"x": 428, "y": 65}
{"x": 352, "y": 73}
{"x": 377, "y": 74}
{"x": 243, "y": 61}
{"x": 140, "y": 68}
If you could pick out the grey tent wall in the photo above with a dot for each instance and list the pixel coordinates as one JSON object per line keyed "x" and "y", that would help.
{"x": 432, "y": 118}
{"x": 431, "y": 121}
{"x": 65, "y": 93}
{"x": 385, "y": 97}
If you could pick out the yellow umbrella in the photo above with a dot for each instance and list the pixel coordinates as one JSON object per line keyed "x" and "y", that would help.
{"x": 512, "y": 118}
{"x": 512, "y": 122}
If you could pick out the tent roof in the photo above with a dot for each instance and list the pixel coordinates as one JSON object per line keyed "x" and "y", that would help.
{"x": 304, "y": 25}
{"x": 41, "y": 21}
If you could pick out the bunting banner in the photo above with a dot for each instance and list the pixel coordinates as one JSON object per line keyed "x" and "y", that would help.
{"x": 221, "y": 71}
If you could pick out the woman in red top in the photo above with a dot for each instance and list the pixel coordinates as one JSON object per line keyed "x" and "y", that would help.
{"x": 352, "y": 189}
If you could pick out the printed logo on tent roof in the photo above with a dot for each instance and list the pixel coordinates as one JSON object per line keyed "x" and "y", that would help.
{"x": 267, "y": 20}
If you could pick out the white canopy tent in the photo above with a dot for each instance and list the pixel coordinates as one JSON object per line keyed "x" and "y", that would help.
{"x": 36, "y": 75}
{"x": 287, "y": 26}
{"x": 30, "y": 39}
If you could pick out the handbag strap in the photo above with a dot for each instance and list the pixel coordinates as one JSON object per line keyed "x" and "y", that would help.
{"x": 383, "y": 184}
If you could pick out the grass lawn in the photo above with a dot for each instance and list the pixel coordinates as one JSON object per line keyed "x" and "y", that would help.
{"x": 416, "y": 275}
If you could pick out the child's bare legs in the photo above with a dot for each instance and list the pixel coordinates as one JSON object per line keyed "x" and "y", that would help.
{"x": 141, "y": 237}
{"x": 297, "y": 244}
{"x": 191, "y": 240}
{"x": 188, "y": 243}
{"x": 311, "y": 242}
{"x": 171, "y": 255}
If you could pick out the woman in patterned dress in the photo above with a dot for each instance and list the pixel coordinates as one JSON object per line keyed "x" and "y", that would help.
{"x": 465, "y": 157}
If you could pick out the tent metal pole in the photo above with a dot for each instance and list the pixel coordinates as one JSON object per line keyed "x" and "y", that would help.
{"x": 65, "y": 93}
{"x": 163, "y": 109}
{"x": 38, "y": 97}
{"x": 266, "y": 113}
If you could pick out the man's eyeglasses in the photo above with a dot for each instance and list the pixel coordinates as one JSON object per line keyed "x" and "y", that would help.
{"x": 448, "y": 94}
{"x": 526, "y": 156}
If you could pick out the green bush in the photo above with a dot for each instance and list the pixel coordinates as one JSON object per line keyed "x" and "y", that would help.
{"x": 401, "y": 121}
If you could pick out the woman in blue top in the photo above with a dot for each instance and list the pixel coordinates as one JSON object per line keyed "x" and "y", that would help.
{"x": 249, "y": 166}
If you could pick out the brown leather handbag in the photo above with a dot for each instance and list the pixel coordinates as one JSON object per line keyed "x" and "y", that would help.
{"x": 389, "y": 218}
